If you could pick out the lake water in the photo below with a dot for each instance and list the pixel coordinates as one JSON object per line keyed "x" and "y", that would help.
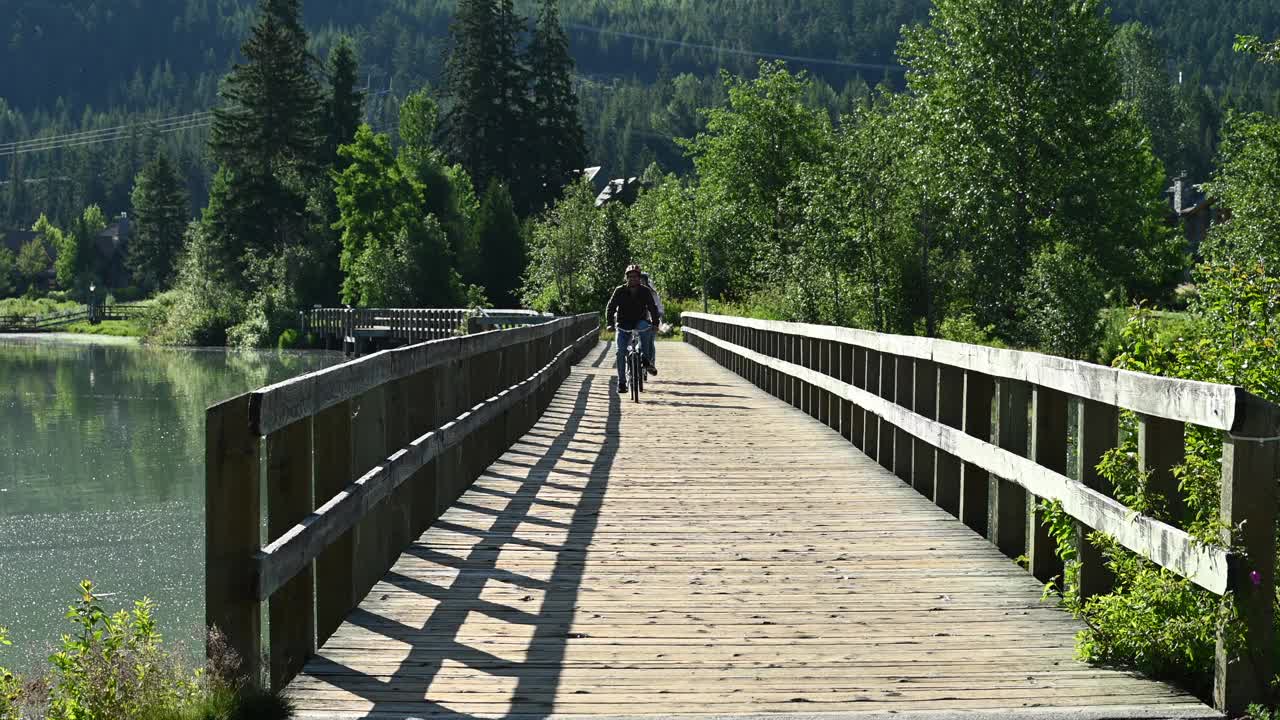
{"x": 102, "y": 476}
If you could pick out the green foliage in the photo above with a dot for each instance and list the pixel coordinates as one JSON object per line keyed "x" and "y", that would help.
{"x": 500, "y": 241}
{"x": 344, "y": 104}
{"x": 289, "y": 339}
{"x": 392, "y": 254}
{"x": 751, "y": 152}
{"x": 560, "y": 278}
{"x": 161, "y": 212}
{"x": 1063, "y": 297}
{"x": 1247, "y": 183}
{"x": 558, "y": 143}
{"x": 202, "y": 305}
{"x": 33, "y": 259}
{"x": 8, "y": 272}
{"x": 115, "y": 667}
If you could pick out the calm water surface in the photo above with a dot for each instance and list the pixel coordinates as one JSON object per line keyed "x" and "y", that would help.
{"x": 102, "y": 476}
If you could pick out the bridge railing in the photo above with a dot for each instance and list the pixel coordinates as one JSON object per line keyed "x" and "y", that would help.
{"x": 983, "y": 432}
{"x": 344, "y": 467}
{"x": 411, "y": 324}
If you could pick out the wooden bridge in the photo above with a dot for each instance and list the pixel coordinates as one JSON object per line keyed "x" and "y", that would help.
{"x": 355, "y": 329}
{"x": 57, "y": 321}
{"x": 797, "y": 521}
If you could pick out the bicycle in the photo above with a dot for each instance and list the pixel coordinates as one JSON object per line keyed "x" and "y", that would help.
{"x": 635, "y": 362}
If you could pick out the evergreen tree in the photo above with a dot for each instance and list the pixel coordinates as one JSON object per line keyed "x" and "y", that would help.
{"x": 497, "y": 234}
{"x": 487, "y": 86}
{"x": 267, "y": 139}
{"x": 160, "y": 216}
{"x": 345, "y": 100}
{"x": 557, "y": 141}
{"x": 8, "y": 272}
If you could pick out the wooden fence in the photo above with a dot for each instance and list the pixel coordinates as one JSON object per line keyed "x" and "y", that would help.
{"x": 983, "y": 432}
{"x": 410, "y": 324}
{"x": 360, "y": 458}
{"x": 55, "y": 321}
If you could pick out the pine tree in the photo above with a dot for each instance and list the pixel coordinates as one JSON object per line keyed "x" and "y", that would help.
{"x": 558, "y": 142}
{"x": 268, "y": 140}
{"x": 497, "y": 234}
{"x": 470, "y": 131}
{"x": 161, "y": 212}
{"x": 487, "y": 86}
{"x": 345, "y": 101}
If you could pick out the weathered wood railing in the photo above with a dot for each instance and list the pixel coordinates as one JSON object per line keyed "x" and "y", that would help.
{"x": 983, "y": 432}
{"x": 410, "y": 324}
{"x": 360, "y": 458}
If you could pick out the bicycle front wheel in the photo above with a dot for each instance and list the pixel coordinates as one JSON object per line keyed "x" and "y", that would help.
{"x": 633, "y": 365}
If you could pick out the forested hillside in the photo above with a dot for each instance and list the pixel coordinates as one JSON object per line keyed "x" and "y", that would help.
{"x": 644, "y": 68}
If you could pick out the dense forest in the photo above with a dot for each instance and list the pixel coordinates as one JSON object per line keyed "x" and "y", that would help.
{"x": 643, "y": 70}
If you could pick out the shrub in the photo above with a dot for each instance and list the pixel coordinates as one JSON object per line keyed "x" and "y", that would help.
{"x": 289, "y": 339}
{"x": 114, "y": 667}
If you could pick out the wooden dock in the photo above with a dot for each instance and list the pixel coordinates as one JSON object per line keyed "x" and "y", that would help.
{"x": 712, "y": 551}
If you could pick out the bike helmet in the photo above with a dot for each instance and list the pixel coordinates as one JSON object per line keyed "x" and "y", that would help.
{"x": 633, "y": 269}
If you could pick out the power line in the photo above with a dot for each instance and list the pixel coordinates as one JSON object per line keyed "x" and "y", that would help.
{"x": 735, "y": 51}
{"x": 112, "y": 134}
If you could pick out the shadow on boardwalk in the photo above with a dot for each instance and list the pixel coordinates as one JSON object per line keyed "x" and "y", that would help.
{"x": 436, "y": 642}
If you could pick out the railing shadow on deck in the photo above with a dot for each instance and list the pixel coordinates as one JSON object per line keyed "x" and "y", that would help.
{"x": 537, "y": 677}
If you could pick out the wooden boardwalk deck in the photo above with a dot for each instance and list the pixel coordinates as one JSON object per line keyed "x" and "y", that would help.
{"x": 712, "y": 551}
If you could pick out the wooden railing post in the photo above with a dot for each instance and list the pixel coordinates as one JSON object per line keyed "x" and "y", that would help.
{"x": 1098, "y": 432}
{"x": 904, "y": 384}
{"x": 233, "y": 530}
{"x": 290, "y": 499}
{"x": 1007, "y": 501}
{"x": 369, "y": 438}
{"x": 860, "y": 417}
{"x": 1242, "y": 675}
{"x": 847, "y": 409}
{"x": 871, "y": 421}
{"x": 884, "y": 430}
{"x": 924, "y": 402}
{"x": 946, "y": 467}
{"x": 1161, "y": 448}
{"x": 1048, "y": 448}
{"x": 822, "y": 363}
{"x": 334, "y": 469}
{"x": 978, "y": 392}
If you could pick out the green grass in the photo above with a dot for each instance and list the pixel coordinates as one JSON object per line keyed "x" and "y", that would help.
{"x": 116, "y": 328}
{"x": 36, "y": 306}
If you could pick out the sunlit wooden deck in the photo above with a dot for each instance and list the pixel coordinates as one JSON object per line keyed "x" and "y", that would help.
{"x": 710, "y": 552}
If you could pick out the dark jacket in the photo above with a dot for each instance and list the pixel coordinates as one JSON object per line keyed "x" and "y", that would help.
{"x": 631, "y": 306}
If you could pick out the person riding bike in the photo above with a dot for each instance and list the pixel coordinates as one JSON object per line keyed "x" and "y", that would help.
{"x": 633, "y": 305}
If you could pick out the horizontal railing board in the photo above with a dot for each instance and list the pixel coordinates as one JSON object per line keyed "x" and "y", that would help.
{"x": 1221, "y": 407}
{"x": 275, "y": 406}
{"x": 1167, "y": 546}
{"x": 286, "y": 556}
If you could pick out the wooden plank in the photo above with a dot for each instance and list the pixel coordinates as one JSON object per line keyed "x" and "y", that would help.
{"x": 290, "y": 498}
{"x": 578, "y": 578}
{"x": 1006, "y": 500}
{"x": 1049, "y": 450}
{"x": 924, "y": 403}
{"x": 1165, "y": 545}
{"x": 946, "y": 474}
{"x": 233, "y": 525}
{"x": 884, "y": 429}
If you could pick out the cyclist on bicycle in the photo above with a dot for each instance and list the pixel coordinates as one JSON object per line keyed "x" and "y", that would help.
{"x": 633, "y": 306}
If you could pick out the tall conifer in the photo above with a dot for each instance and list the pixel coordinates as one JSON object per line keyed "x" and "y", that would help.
{"x": 558, "y": 142}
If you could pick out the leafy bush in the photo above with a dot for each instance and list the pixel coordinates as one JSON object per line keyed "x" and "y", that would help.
{"x": 289, "y": 339}
{"x": 1062, "y": 298}
{"x": 114, "y": 667}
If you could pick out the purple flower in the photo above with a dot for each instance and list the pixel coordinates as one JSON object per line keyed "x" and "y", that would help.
{"x": 1256, "y": 577}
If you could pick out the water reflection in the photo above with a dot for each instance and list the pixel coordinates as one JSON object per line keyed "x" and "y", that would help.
{"x": 102, "y": 475}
